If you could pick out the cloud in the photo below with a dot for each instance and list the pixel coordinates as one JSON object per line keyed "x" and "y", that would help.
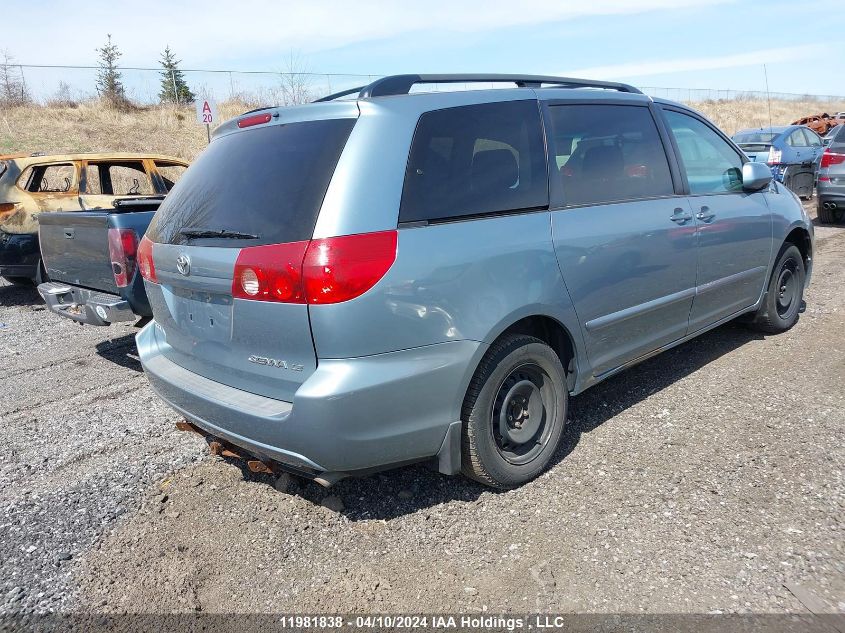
{"x": 663, "y": 67}
{"x": 205, "y": 31}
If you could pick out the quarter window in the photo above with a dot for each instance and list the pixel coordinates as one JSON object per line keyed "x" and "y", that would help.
{"x": 608, "y": 153}
{"x": 797, "y": 139}
{"x": 710, "y": 163}
{"x": 474, "y": 160}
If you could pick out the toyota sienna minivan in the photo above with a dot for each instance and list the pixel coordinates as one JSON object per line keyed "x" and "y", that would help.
{"x": 399, "y": 275}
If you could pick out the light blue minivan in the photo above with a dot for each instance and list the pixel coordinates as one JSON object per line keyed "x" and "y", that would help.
{"x": 393, "y": 275}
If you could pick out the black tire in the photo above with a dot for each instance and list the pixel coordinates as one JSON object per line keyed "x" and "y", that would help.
{"x": 519, "y": 376}
{"x": 19, "y": 281}
{"x": 784, "y": 293}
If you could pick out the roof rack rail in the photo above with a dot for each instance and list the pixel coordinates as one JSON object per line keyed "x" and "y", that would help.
{"x": 402, "y": 84}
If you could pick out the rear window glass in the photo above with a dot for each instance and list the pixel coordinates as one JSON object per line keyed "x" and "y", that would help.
{"x": 840, "y": 135}
{"x": 607, "y": 153}
{"x": 268, "y": 182}
{"x": 754, "y": 137}
{"x": 473, "y": 160}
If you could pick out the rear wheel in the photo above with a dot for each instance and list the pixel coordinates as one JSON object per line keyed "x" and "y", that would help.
{"x": 514, "y": 412}
{"x": 784, "y": 294}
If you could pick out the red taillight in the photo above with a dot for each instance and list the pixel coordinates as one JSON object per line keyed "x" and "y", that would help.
{"x": 341, "y": 268}
{"x": 256, "y": 119}
{"x": 145, "y": 260}
{"x": 270, "y": 273}
{"x": 329, "y": 270}
{"x": 123, "y": 248}
{"x": 832, "y": 158}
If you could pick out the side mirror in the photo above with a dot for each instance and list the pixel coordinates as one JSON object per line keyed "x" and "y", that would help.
{"x": 755, "y": 176}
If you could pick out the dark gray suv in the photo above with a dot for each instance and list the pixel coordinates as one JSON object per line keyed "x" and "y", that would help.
{"x": 404, "y": 275}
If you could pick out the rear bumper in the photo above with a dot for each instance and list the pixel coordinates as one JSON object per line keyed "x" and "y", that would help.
{"x": 19, "y": 254}
{"x": 350, "y": 415}
{"x": 826, "y": 192}
{"x": 85, "y": 306}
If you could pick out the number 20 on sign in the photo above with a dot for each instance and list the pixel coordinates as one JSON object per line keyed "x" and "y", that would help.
{"x": 206, "y": 114}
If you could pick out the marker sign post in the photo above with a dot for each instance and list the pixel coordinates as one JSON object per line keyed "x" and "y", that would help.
{"x": 206, "y": 114}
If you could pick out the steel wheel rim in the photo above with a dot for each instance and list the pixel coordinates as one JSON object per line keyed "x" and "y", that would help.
{"x": 523, "y": 414}
{"x": 787, "y": 287}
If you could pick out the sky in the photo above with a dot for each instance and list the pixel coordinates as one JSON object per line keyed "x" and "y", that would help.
{"x": 719, "y": 44}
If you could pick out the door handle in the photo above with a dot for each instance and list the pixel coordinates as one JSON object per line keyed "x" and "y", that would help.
{"x": 681, "y": 216}
{"x": 705, "y": 215}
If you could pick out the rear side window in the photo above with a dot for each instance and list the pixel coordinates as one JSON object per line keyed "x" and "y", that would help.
{"x": 125, "y": 178}
{"x": 268, "y": 182}
{"x": 608, "y": 153}
{"x": 840, "y": 135}
{"x": 797, "y": 139}
{"x": 473, "y": 160}
{"x": 130, "y": 179}
{"x": 813, "y": 139}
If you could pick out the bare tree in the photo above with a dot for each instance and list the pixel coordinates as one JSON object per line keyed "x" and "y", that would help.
{"x": 13, "y": 90}
{"x": 295, "y": 82}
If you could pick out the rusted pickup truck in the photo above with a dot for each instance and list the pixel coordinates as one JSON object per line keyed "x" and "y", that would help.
{"x": 31, "y": 185}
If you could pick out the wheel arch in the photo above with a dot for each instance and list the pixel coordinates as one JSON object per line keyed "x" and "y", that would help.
{"x": 552, "y": 332}
{"x": 800, "y": 237}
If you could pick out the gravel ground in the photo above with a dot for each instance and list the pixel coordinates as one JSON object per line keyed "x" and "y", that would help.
{"x": 706, "y": 479}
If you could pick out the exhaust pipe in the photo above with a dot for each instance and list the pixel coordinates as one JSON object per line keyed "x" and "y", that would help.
{"x": 829, "y": 205}
{"x": 222, "y": 448}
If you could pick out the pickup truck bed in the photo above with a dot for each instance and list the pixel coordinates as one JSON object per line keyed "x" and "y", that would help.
{"x": 76, "y": 255}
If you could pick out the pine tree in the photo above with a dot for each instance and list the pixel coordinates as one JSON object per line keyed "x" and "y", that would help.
{"x": 109, "y": 84}
{"x": 174, "y": 89}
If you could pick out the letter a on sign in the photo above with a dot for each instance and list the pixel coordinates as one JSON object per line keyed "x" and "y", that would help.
{"x": 206, "y": 111}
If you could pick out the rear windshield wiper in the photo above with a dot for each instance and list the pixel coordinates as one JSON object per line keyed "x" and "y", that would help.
{"x": 220, "y": 233}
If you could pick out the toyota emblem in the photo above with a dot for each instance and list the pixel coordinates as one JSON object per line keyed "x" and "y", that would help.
{"x": 183, "y": 265}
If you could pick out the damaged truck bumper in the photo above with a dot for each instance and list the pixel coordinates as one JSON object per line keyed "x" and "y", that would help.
{"x": 85, "y": 306}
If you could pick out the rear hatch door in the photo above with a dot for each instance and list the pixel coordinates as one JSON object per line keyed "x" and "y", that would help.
{"x": 756, "y": 152}
{"x": 259, "y": 186}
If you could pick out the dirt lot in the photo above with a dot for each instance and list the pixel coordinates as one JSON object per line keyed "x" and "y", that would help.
{"x": 707, "y": 479}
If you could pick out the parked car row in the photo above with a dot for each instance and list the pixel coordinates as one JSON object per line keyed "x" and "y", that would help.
{"x": 830, "y": 188}
{"x": 402, "y": 275}
{"x": 792, "y": 151}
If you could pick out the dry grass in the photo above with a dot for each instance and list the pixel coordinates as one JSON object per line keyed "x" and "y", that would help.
{"x": 171, "y": 130}
{"x": 91, "y": 127}
{"x": 734, "y": 115}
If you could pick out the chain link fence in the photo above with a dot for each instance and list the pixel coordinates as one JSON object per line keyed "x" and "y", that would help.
{"x": 45, "y": 84}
